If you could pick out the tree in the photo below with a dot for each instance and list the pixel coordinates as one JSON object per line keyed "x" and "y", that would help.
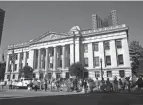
{"x": 26, "y": 72}
{"x": 77, "y": 70}
{"x": 136, "y": 53}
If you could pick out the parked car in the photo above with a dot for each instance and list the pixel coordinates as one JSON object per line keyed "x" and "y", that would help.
{"x": 23, "y": 83}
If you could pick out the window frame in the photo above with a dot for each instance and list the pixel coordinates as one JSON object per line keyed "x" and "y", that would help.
{"x": 123, "y": 73}
{"x": 85, "y": 46}
{"x": 107, "y": 46}
{"x": 95, "y": 63}
{"x": 86, "y": 65}
{"x": 108, "y": 64}
{"x": 119, "y": 46}
{"x": 96, "y": 46}
{"x": 13, "y": 76}
{"x": 109, "y": 73}
{"x": 119, "y": 60}
{"x": 15, "y": 67}
{"x": 97, "y": 74}
{"x": 27, "y": 55}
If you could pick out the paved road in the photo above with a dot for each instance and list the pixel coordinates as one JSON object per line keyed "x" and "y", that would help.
{"x": 11, "y": 94}
{"x": 62, "y": 98}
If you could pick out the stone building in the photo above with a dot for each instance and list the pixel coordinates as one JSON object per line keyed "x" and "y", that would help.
{"x": 52, "y": 53}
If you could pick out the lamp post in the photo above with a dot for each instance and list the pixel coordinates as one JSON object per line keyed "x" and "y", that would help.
{"x": 74, "y": 46}
{"x": 101, "y": 68}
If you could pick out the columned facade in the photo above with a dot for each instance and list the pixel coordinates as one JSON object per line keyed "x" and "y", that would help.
{"x": 104, "y": 49}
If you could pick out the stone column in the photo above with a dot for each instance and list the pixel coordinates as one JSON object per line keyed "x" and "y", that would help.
{"x": 114, "y": 54}
{"x": 71, "y": 54}
{"x": 55, "y": 59}
{"x": 126, "y": 57}
{"x": 31, "y": 58}
{"x": 39, "y": 59}
{"x": 18, "y": 64}
{"x": 7, "y": 62}
{"x": 90, "y": 53}
{"x": 47, "y": 60}
{"x": 24, "y": 59}
{"x": 102, "y": 56}
{"x": 63, "y": 57}
{"x": 55, "y": 62}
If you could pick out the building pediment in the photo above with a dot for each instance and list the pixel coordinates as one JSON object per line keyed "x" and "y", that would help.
{"x": 50, "y": 36}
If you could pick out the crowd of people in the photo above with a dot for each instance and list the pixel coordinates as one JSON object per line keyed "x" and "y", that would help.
{"x": 86, "y": 85}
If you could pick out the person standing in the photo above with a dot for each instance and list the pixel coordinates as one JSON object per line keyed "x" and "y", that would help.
{"x": 45, "y": 84}
{"x": 97, "y": 84}
{"x": 120, "y": 85}
{"x": 35, "y": 83}
{"x": 115, "y": 84}
{"x": 108, "y": 86}
{"x": 85, "y": 86}
{"x": 102, "y": 86}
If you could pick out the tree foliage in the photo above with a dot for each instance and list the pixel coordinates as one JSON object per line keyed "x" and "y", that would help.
{"x": 136, "y": 53}
{"x": 77, "y": 70}
{"x": 26, "y": 72}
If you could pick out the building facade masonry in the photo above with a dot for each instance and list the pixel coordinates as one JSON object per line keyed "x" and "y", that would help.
{"x": 104, "y": 47}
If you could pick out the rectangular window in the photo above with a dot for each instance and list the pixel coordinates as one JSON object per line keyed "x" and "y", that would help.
{"x": 36, "y": 53}
{"x": 21, "y": 55}
{"x": 118, "y": 44}
{"x": 49, "y": 75}
{"x": 8, "y": 76}
{"x": 85, "y": 48}
{"x": 120, "y": 59}
{"x": 15, "y": 67}
{"x": 97, "y": 74}
{"x": 61, "y": 52}
{"x": 13, "y": 76}
{"x": 86, "y": 62}
{"x": 52, "y": 52}
{"x": 27, "y": 55}
{"x": 108, "y": 60}
{"x": 51, "y": 65}
{"x": 106, "y": 45}
{"x": 96, "y": 61}
{"x": 109, "y": 73}
{"x": 85, "y": 74}
{"x": 67, "y": 75}
{"x": 58, "y": 75}
{"x": 9, "y": 68}
{"x": 121, "y": 73}
{"x": 16, "y": 56}
{"x": 95, "y": 47}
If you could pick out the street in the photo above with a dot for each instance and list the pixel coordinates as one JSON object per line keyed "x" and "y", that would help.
{"x": 23, "y": 97}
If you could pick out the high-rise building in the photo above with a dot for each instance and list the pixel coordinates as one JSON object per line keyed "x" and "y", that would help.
{"x": 2, "y": 15}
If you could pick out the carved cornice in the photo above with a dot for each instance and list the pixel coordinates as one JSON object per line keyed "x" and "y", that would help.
{"x": 53, "y": 36}
{"x": 105, "y": 30}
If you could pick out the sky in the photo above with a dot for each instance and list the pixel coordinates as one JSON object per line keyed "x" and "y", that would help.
{"x": 25, "y": 20}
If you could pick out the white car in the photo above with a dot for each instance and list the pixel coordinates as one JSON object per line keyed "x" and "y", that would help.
{"x": 23, "y": 83}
